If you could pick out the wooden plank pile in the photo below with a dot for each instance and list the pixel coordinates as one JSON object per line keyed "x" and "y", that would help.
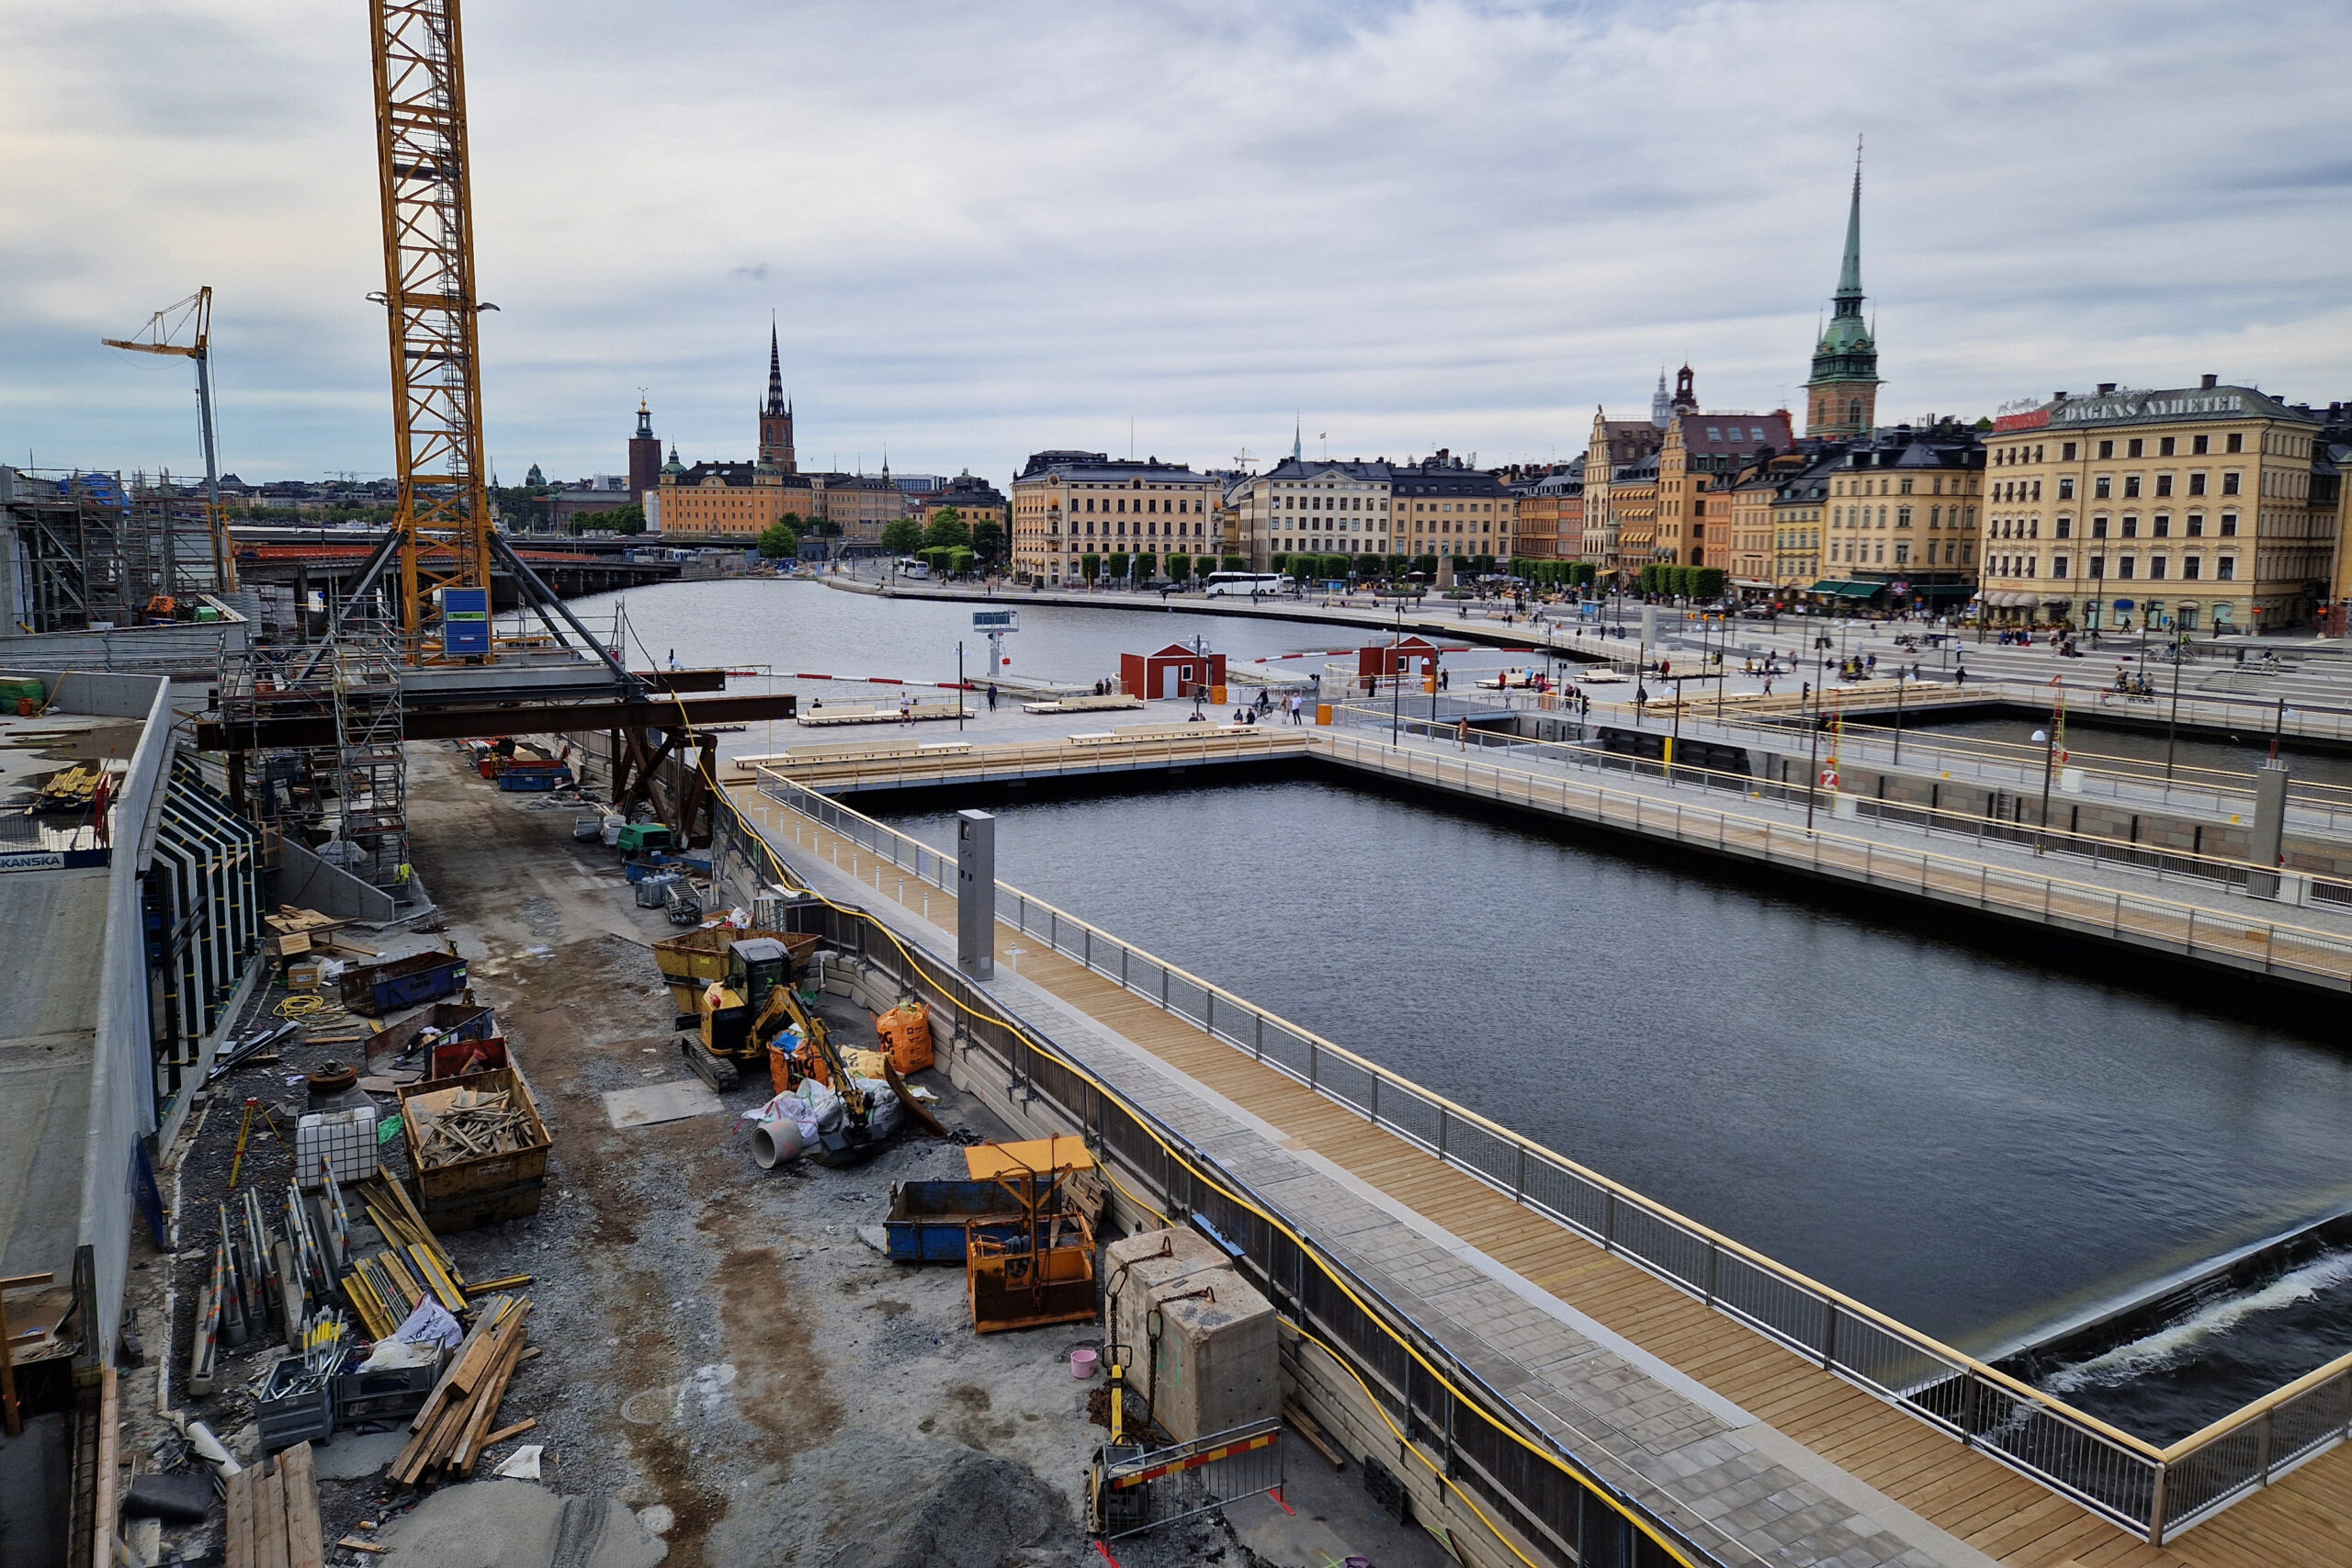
{"x": 294, "y": 931}
{"x": 456, "y": 1423}
{"x": 477, "y": 1123}
{"x": 274, "y": 1518}
{"x": 385, "y": 1287}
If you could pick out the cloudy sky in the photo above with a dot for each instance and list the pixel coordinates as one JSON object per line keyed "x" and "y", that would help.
{"x": 985, "y": 229}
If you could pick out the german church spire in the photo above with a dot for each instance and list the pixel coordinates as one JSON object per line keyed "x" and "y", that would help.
{"x": 775, "y": 416}
{"x": 1843, "y": 391}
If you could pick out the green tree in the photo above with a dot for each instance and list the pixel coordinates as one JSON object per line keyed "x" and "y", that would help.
{"x": 1710, "y": 580}
{"x": 1147, "y": 566}
{"x": 630, "y": 519}
{"x": 1179, "y": 568}
{"x": 1114, "y": 566}
{"x": 959, "y": 560}
{"x": 1235, "y": 563}
{"x": 947, "y": 528}
{"x": 902, "y": 536}
{"x": 1089, "y": 565}
{"x": 777, "y": 541}
{"x": 988, "y": 540}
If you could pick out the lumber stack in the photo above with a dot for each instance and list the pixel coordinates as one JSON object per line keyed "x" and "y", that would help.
{"x": 459, "y": 1417}
{"x": 274, "y": 1516}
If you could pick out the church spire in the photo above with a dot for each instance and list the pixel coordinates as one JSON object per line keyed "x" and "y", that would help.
{"x": 1850, "y": 275}
{"x": 1843, "y": 389}
{"x": 776, "y": 373}
{"x": 1297, "y": 448}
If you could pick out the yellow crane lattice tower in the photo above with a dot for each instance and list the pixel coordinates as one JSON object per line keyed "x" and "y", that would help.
{"x": 444, "y": 520}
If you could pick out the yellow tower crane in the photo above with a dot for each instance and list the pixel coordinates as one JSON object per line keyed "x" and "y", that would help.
{"x": 442, "y": 527}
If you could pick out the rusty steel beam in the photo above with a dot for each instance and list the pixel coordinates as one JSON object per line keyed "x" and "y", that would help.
{"x": 508, "y": 719}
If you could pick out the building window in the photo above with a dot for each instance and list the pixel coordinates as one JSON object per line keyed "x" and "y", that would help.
{"x": 2124, "y": 567}
{"x": 2162, "y": 525}
{"x": 2132, "y": 483}
{"x": 2197, "y": 481}
{"x": 2163, "y": 483}
{"x": 2191, "y": 568}
{"x": 2103, "y": 487}
{"x": 2155, "y": 568}
{"x": 2099, "y": 566}
{"x": 2058, "y": 566}
{"x": 2065, "y": 529}
{"x": 2199, "y": 444}
{"x": 2230, "y": 483}
{"x": 2098, "y": 527}
{"x": 2236, "y": 443}
{"x": 2130, "y": 527}
{"x": 2229, "y": 525}
{"x": 2133, "y": 450}
{"x": 2226, "y": 567}
{"x": 2106, "y": 450}
{"x": 2066, "y": 490}
{"x": 2164, "y": 447}
{"x": 2196, "y": 524}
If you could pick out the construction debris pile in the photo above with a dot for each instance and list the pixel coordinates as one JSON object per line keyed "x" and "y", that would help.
{"x": 473, "y": 1124}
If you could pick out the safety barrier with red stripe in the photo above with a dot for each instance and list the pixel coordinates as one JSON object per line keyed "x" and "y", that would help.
{"x": 1194, "y": 1462}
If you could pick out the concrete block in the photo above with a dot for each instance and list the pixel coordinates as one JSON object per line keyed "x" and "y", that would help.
{"x": 1203, "y": 1342}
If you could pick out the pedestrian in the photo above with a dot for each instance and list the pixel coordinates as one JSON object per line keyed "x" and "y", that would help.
{"x": 1462, "y": 734}
{"x": 907, "y": 708}
{"x": 992, "y": 696}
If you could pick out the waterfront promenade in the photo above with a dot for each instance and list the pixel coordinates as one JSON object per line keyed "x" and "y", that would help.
{"x": 2192, "y": 917}
{"x": 1743, "y": 1443}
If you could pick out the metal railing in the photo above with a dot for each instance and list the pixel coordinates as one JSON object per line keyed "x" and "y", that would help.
{"x": 1058, "y": 759}
{"x": 2227, "y": 937}
{"x": 2154, "y": 1492}
{"x": 2125, "y": 854}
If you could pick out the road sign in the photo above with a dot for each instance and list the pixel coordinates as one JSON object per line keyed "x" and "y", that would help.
{"x": 996, "y": 620}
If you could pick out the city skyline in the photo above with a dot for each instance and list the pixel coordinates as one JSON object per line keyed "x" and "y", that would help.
{"x": 1428, "y": 225}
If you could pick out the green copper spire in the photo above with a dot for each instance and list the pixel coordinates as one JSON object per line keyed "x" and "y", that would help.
{"x": 1850, "y": 276}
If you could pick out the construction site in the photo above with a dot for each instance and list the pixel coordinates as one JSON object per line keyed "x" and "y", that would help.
{"x": 433, "y": 1127}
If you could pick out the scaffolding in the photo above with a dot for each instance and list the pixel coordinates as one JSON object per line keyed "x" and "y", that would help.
{"x": 87, "y": 551}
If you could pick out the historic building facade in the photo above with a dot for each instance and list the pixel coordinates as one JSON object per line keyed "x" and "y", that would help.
{"x": 1067, "y": 505}
{"x": 1903, "y": 517}
{"x": 2189, "y": 508}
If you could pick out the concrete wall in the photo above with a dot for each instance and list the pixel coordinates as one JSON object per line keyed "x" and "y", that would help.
{"x": 303, "y": 879}
{"x": 122, "y": 1084}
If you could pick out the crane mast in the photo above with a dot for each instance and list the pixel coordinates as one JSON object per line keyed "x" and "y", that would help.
{"x": 443, "y": 524}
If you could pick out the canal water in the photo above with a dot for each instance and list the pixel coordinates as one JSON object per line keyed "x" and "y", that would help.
{"x": 1979, "y": 1144}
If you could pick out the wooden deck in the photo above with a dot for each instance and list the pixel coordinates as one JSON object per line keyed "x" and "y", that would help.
{"x": 2303, "y": 1519}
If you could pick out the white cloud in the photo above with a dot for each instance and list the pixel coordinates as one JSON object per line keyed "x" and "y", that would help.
{"x": 991, "y": 228}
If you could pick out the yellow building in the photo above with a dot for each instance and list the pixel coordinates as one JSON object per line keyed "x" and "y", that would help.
{"x": 1067, "y": 505}
{"x": 2189, "y": 510}
{"x": 1799, "y": 513}
{"x": 1700, "y": 456}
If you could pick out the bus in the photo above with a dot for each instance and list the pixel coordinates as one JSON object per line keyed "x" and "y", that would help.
{"x": 1244, "y": 583}
{"x": 910, "y": 566}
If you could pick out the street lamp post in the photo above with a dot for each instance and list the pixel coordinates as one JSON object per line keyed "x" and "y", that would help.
{"x": 2172, "y": 725}
{"x": 1812, "y": 754}
{"x": 2049, "y": 739}
{"x": 1396, "y": 680}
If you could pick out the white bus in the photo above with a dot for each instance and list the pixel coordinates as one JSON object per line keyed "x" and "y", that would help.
{"x": 1244, "y": 584}
{"x": 909, "y": 566}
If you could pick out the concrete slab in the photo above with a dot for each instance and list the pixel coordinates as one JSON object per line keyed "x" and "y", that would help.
{"x": 513, "y": 1524}
{"x": 673, "y": 1101}
{"x": 355, "y": 1456}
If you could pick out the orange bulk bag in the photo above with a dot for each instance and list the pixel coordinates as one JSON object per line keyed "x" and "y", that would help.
{"x": 905, "y": 1032}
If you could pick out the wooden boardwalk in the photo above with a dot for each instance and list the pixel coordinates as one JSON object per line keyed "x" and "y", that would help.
{"x": 2303, "y": 1519}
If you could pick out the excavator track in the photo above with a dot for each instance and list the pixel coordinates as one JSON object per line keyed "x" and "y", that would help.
{"x": 717, "y": 1071}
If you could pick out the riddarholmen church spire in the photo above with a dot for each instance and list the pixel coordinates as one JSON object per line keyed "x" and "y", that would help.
{"x": 775, "y": 416}
{"x": 1843, "y": 391}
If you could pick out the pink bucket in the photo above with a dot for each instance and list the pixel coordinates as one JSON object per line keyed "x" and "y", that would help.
{"x": 1082, "y": 1364}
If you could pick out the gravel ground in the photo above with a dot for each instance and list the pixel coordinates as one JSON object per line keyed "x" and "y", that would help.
{"x": 721, "y": 1354}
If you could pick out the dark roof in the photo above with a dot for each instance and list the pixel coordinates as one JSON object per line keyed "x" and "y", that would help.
{"x": 2170, "y": 407}
{"x": 1093, "y": 468}
{"x": 1736, "y": 434}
